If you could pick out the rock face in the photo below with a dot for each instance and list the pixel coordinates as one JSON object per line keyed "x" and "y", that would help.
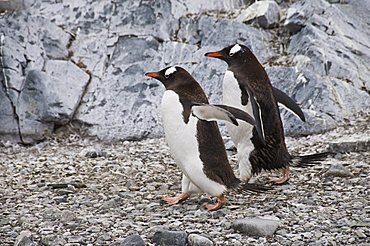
{"x": 83, "y": 62}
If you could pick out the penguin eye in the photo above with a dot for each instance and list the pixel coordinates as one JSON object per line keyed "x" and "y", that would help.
{"x": 231, "y": 53}
{"x": 166, "y": 76}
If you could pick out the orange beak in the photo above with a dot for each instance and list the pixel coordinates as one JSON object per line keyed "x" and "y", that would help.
{"x": 152, "y": 75}
{"x": 213, "y": 54}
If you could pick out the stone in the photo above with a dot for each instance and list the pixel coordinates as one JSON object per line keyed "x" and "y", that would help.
{"x": 68, "y": 216}
{"x": 89, "y": 52}
{"x": 32, "y": 108}
{"x": 354, "y": 143}
{"x": 112, "y": 203}
{"x": 338, "y": 1}
{"x": 93, "y": 152}
{"x": 65, "y": 89}
{"x": 256, "y": 226}
{"x": 24, "y": 239}
{"x": 338, "y": 170}
{"x": 8, "y": 117}
{"x": 10, "y": 5}
{"x": 52, "y": 240}
{"x": 198, "y": 240}
{"x": 265, "y": 14}
{"x": 54, "y": 40}
{"x": 170, "y": 238}
{"x": 295, "y": 20}
{"x": 76, "y": 239}
{"x": 133, "y": 240}
{"x": 185, "y": 7}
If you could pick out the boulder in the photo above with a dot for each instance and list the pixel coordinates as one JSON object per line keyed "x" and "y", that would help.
{"x": 295, "y": 20}
{"x": 265, "y": 14}
{"x": 32, "y": 108}
{"x": 50, "y": 99}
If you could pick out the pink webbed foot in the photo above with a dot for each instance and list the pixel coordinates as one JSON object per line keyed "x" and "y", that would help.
{"x": 172, "y": 200}
{"x": 284, "y": 178}
{"x": 220, "y": 202}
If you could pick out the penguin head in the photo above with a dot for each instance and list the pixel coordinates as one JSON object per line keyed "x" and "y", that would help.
{"x": 232, "y": 54}
{"x": 171, "y": 76}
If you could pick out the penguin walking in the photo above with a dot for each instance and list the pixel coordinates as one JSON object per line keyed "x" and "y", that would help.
{"x": 248, "y": 87}
{"x": 241, "y": 134}
{"x": 194, "y": 138}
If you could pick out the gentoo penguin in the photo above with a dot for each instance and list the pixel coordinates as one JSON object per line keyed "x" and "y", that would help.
{"x": 247, "y": 86}
{"x": 241, "y": 134}
{"x": 194, "y": 138}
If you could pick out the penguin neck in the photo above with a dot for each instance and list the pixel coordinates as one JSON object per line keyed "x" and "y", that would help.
{"x": 190, "y": 92}
{"x": 252, "y": 71}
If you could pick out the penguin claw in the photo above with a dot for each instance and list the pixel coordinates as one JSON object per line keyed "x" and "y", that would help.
{"x": 172, "y": 200}
{"x": 283, "y": 179}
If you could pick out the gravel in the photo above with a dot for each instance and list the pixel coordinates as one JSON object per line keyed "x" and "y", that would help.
{"x": 51, "y": 194}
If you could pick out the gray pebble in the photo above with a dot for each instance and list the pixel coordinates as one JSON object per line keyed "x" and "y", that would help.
{"x": 256, "y": 226}
{"x": 133, "y": 240}
{"x": 198, "y": 240}
{"x": 338, "y": 170}
{"x": 170, "y": 238}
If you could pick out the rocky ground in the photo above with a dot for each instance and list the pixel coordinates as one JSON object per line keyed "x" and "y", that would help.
{"x": 75, "y": 191}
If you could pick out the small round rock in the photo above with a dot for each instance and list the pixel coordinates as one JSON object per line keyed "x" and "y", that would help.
{"x": 198, "y": 240}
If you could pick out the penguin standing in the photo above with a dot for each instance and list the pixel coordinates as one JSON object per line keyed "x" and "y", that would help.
{"x": 247, "y": 86}
{"x": 194, "y": 138}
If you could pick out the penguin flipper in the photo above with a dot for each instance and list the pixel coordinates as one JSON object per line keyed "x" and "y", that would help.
{"x": 212, "y": 113}
{"x": 238, "y": 113}
{"x": 258, "y": 118}
{"x": 289, "y": 103}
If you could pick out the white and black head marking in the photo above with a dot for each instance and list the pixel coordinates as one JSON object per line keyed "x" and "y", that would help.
{"x": 169, "y": 71}
{"x": 167, "y": 75}
{"x": 235, "y": 49}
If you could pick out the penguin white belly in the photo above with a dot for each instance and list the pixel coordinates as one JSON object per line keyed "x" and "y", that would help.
{"x": 241, "y": 134}
{"x": 182, "y": 140}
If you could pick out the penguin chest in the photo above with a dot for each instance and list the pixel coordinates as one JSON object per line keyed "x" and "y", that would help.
{"x": 232, "y": 96}
{"x": 181, "y": 136}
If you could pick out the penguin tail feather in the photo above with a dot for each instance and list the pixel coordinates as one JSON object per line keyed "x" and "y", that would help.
{"x": 251, "y": 188}
{"x": 308, "y": 160}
